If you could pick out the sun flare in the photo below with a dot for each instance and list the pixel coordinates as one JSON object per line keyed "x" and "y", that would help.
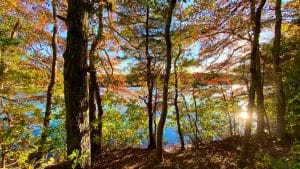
{"x": 244, "y": 115}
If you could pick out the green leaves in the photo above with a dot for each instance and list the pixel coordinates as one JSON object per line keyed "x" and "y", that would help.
{"x": 77, "y": 158}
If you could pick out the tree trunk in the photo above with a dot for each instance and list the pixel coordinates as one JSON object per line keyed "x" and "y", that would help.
{"x": 92, "y": 112}
{"x": 41, "y": 147}
{"x": 227, "y": 111}
{"x": 268, "y": 124}
{"x": 192, "y": 123}
{"x": 260, "y": 102}
{"x": 197, "y": 140}
{"x": 100, "y": 114}
{"x": 3, "y": 156}
{"x": 94, "y": 118}
{"x": 164, "y": 112}
{"x": 255, "y": 17}
{"x": 155, "y": 108}
{"x": 149, "y": 85}
{"x": 75, "y": 81}
{"x": 280, "y": 95}
{"x": 232, "y": 117}
{"x": 176, "y": 104}
{"x": 96, "y": 130}
{"x": 3, "y": 152}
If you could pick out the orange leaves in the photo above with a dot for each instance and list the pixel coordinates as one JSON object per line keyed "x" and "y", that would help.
{"x": 204, "y": 79}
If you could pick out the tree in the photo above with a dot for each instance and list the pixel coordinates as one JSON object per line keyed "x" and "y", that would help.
{"x": 164, "y": 112}
{"x": 21, "y": 77}
{"x": 41, "y": 149}
{"x": 176, "y": 101}
{"x": 150, "y": 83}
{"x": 94, "y": 91}
{"x": 141, "y": 20}
{"x": 75, "y": 81}
{"x": 280, "y": 95}
{"x": 260, "y": 133}
{"x": 256, "y": 21}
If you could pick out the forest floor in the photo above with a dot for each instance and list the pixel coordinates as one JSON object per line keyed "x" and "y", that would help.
{"x": 217, "y": 154}
{"x": 223, "y": 154}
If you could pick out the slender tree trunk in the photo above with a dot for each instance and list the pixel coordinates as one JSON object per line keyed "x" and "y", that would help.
{"x": 268, "y": 124}
{"x": 149, "y": 85}
{"x": 3, "y": 146}
{"x": 176, "y": 104}
{"x": 191, "y": 122}
{"x": 228, "y": 113}
{"x": 265, "y": 113}
{"x": 232, "y": 113}
{"x": 155, "y": 108}
{"x": 96, "y": 130}
{"x": 92, "y": 112}
{"x": 3, "y": 156}
{"x": 260, "y": 102}
{"x": 75, "y": 81}
{"x": 280, "y": 95}
{"x": 100, "y": 115}
{"x": 3, "y": 153}
{"x": 52, "y": 79}
{"x": 164, "y": 112}
{"x": 94, "y": 78}
{"x": 94, "y": 93}
{"x": 256, "y": 18}
{"x": 45, "y": 133}
{"x": 197, "y": 140}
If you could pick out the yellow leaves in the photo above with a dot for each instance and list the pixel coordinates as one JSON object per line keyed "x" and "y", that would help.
{"x": 290, "y": 30}
{"x": 9, "y": 5}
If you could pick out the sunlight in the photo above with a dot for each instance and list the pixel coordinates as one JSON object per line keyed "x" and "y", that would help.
{"x": 244, "y": 115}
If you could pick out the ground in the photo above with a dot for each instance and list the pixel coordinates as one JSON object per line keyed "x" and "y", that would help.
{"x": 214, "y": 155}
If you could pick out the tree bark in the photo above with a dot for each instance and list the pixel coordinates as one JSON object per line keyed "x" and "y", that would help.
{"x": 164, "y": 112}
{"x": 267, "y": 122}
{"x": 176, "y": 103}
{"x": 96, "y": 130}
{"x": 149, "y": 85}
{"x": 155, "y": 108}
{"x": 94, "y": 92}
{"x": 92, "y": 111}
{"x": 260, "y": 133}
{"x": 280, "y": 95}
{"x": 256, "y": 20}
{"x": 197, "y": 138}
{"x": 100, "y": 115}
{"x": 75, "y": 81}
{"x": 3, "y": 156}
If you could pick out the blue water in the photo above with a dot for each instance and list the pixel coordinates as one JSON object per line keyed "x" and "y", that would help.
{"x": 170, "y": 138}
